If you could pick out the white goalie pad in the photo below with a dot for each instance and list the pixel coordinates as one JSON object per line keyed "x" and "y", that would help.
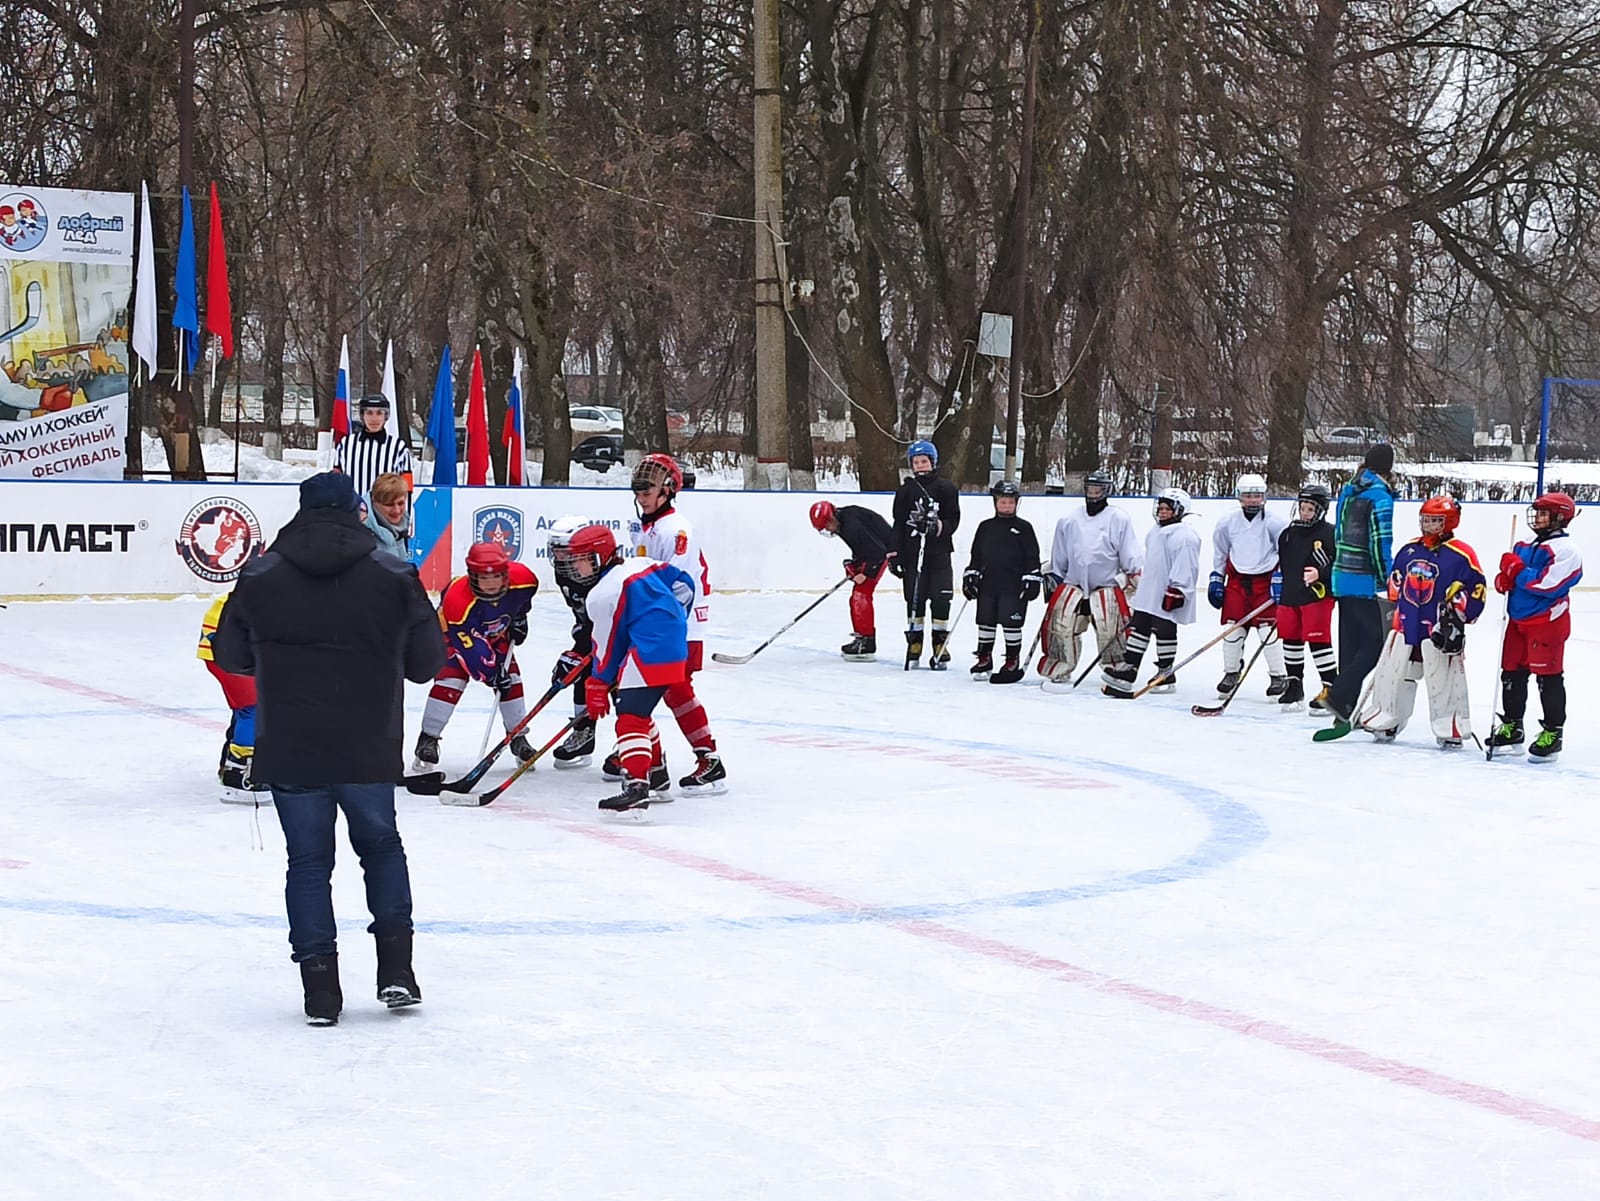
{"x": 1394, "y": 687}
{"x": 1061, "y": 633}
{"x": 1446, "y": 680}
{"x": 1108, "y": 608}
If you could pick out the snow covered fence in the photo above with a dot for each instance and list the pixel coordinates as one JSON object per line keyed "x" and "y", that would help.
{"x": 167, "y": 539}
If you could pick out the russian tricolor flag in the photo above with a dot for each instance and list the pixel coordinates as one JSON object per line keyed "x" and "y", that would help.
{"x": 511, "y": 437}
{"x": 340, "y": 424}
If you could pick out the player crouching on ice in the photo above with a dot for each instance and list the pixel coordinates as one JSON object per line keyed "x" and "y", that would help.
{"x": 1536, "y": 577}
{"x": 639, "y": 610}
{"x": 1095, "y": 561}
{"x": 483, "y": 614}
{"x": 870, "y": 541}
{"x": 1438, "y": 590}
{"x": 1166, "y": 596}
{"x": 1002, "y": 576}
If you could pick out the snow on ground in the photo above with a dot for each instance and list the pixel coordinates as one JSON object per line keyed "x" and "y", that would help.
{"x": 941, "y": 941}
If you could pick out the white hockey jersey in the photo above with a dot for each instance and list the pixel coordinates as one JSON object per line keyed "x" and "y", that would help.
{"x": 1171, "y": 560}
{"x": 1250, "y": 544}
{"x": 1090, "y": 551}
{"x": 669, "y": 538}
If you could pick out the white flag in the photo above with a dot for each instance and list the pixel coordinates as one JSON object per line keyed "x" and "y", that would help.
{"x": 144, "y": 299}
{"x": 387, "y": 388}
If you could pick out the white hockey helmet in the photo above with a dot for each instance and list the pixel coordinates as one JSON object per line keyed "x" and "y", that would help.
{"x": 1176, "y": 497}
{"x": 559, "y": 539}
{"x": 1250, "y": 484}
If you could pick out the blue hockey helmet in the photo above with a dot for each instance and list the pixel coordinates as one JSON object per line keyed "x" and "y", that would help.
{"x": 923, "y": 447}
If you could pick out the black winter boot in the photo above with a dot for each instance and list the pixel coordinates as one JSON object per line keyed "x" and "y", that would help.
{"x": 319, "y": 976}
{"x": 397, "y": 983}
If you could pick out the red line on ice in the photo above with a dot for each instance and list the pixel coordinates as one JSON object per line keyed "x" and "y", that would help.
{"x": 112, "y": 698}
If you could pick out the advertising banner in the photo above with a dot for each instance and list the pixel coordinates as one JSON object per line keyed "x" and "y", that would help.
{"x": 66, "y": 275}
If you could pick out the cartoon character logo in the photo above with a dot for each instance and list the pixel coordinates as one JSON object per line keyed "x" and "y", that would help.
{"x": 23, "y": 222}
{"x": 218, "y": 537}
{"x": 1421, "y": 576}
{"x": 499, "y": 524}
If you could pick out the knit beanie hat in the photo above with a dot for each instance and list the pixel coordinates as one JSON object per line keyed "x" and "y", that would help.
{"x": 1380, "y": 459}
{"x": 329, "y": 490}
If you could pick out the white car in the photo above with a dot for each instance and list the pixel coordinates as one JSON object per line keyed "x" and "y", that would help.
{"x": 591, "y": 419}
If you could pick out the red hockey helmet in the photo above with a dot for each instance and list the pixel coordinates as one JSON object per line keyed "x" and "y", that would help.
{"x": 1560, "y": 507}
{"x": 1444, "y": 505}
{"x": 658, "y": 469}
{"x": 593, "y": 540}
{"x": 821, "y": 513}
{"x": 484, "y": 561}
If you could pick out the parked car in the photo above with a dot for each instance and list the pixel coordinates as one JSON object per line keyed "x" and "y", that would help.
{"x": 591, "y": 419}
{"x": 598, "y": 452}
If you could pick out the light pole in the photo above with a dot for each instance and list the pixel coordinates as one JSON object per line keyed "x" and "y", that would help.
{"x": 771, "y": 467}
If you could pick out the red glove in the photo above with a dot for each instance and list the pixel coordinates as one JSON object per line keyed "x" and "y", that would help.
{"x": 596, "y": 698}
{"x": 697, "y": 658}
{"x": 1172, "y": 600}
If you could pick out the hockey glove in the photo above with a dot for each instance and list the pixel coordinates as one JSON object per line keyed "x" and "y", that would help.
{"x": 503, "y": 677}
{"x": 696, "y": 659}
{"x": 1030, "y": 585}
{"x": 596, "y": 698}
{"x": 564, "y": 665}
{"x": 517, "y": 631}
{"x": 1174, "y": 598}
{"x": 1131, "y": 587}
{"x": 1276, "y": 586}
{"x": 1214, "y": 592}
{"x": 1450, "y": 634}
{"x": 854, "y": 572}
{"x": 1051, "y": 582}
{"x": 894, "y": 566}
{"x": 970, "y": 581}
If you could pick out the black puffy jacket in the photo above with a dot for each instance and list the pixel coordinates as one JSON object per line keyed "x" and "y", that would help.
{"x": 331, "y": 628}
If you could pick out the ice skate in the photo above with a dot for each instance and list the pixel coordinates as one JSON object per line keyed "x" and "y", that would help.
{"x": 1277, "y": 686}
{"x": 1547, "y": 747}
{"x": 635, "y": 794}
{"x": 520, "y": 748}
{"x": 1119, "y": 679}
{"x": 1506, "y": 739}
{"x": 863, "y": 648}
{"x": 1226, "y": 685}
{"x": 577, "y": 749}
{"x": 709, "y": 777}
{"x": 1011, "y": 673}
{"x": 982, "y": 669}
{"x": 1294, "y": 691}
{"x": 426, "y": 756}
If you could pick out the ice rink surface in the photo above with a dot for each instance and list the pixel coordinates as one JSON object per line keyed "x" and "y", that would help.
{"x": 941, "y": 941}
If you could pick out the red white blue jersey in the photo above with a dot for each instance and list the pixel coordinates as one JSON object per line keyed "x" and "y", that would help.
{"x": 641, "y": 637}
{"x": 462, "y": 611}
{"x": 669, "y": 538}
{"x": 1425, "y": 577}
{"x": 1552, "y": 566}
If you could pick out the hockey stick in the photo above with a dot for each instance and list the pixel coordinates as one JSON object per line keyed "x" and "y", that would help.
{"x": 489, "y": 797}
{"x": 488, "y": 727}
{"x": 1330, "y": 733}
{"x": 432, "y": 783}
{"x": 719, "y": 657}
{"x": 1505, "y": 630}
{"x": 31, "y": 310}
{"x": 1162, "y": 676}
{"x": 916, "y": 594}
{"x": 1219, "y": 710}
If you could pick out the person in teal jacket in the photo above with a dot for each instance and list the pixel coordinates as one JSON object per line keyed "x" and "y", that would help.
{"x": 1363, "y": 533}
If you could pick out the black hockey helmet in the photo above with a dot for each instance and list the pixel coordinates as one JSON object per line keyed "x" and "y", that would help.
{"x": 1006, "y": 488}
{"x": 1099, "y": 478}
{"x": 1315, "y": 494}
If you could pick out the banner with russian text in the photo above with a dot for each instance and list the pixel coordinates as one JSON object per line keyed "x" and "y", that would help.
{"x": 66, "y": 275}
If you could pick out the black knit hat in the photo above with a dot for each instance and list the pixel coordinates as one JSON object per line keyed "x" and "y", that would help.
{"x": 329, "y": 490}
{"x": 1380, "y": 459}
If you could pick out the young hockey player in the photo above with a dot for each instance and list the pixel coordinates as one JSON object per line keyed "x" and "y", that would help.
{"x": 1305, "y": 609}
{"x": 577, "y": 749}
{"x": 638, "y": 608}
{"x": 1438, "y": 590}
{"x": 483, "y": 613}
{"x": 927, "y": 511}
{"x": 665, "y": 535}
{"x": 1536, "y": 577}
{"x": 871, "y": 544}
{"x": 1166, "y": 596}
{"x": 1095, "y": 561}
{"x": 1002, "y": 576}
{"x": 1244, "y": 573}
{"x": 239, "y": 743}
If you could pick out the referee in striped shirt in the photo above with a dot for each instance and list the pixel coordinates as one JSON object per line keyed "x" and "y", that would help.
{"x": 371, "y": 451}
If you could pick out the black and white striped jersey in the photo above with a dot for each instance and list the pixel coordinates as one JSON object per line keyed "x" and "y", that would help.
{"x": 365, "y": 456}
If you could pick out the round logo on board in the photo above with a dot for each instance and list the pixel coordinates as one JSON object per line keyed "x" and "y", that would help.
{"x": 218, "y": 537}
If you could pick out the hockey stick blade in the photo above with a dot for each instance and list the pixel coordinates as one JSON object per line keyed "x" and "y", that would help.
{"x": 1219, "y": 710}
{"x": 488, "y": 798}
{"x": 426, "y": 784}
{"x": 32, "y": 307}
{"x": 735, "y": 660}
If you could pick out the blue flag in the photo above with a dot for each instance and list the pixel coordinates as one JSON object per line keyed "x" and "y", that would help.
{"x": 186, "y": 310}
{"x": 442, "y": 425}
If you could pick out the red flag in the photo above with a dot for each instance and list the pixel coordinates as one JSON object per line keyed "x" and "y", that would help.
{"x": 219, "y": 307}
{"x": 477, "y": 425}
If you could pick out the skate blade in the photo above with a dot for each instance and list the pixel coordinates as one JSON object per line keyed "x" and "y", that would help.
{"x": 1539, "y": 760}
{"x": 717, "y": 789}
{"x": 979, "y": 677}
{"x": 859, "y": 658}
{"x": 239, "y": 796}
{"x": 573, "y": 764}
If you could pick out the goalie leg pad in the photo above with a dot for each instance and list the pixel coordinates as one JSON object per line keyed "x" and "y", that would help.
{"x": 1446, "y": 680}
{"x": 1388, "y": 684}
{"x": 1108, "y": 608}
{"x": 1061, "y": 634}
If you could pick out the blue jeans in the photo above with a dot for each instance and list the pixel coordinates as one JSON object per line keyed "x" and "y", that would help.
{"x": 306, "y": 812}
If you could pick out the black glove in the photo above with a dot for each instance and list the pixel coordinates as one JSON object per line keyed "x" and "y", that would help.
{"x": 1450, "y": 633}
{"x": 970, "y": 580}
{"x": 894, "y": 566}
{"x": 564, "y": 665}
{"x": 1030, "y": 585}
{"x": 502, "y": 675}
{"x": 517, "y": 631}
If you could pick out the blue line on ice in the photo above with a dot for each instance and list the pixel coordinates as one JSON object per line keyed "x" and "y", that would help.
{"x": 1235, "y": 830}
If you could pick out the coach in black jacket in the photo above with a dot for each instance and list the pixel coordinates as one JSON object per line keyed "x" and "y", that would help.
{"x": 331, "y": 628}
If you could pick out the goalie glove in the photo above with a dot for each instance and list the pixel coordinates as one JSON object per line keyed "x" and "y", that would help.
{"x": 971, "y": 579}
{"x": 1450, "y": 632}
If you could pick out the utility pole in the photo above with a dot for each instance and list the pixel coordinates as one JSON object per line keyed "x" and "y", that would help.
{"x": 771, "y": 467}
{"x": 1019, "y": 283}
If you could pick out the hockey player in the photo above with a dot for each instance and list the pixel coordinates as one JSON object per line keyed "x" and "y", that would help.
{"x": 1244, "y": 573}
{"x": 1095, "y": 561}
{"x": 239, "y": 743}
{"x": 871, "y": 543}
{"x": 927, "y": 511}
{"x": 638, "y": 610}
{"x": 1305, "y": 607}
{"x": 1166, "y": 596}
{"x": 1536, "y": 577}
{"x": 1438, "y": 590}
{"x": 665, "y": 535}
{"x": 483, "y": 613}
{"x": 577, "y": 750}
{"x": 1002, "y": 576}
